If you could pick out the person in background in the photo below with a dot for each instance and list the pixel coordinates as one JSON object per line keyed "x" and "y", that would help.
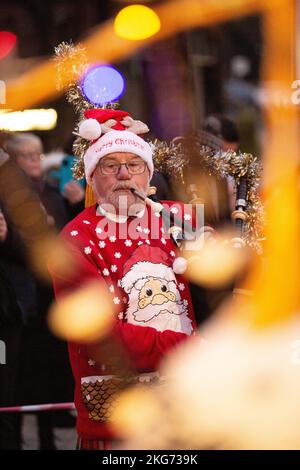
{"x": 227, "y": 131}
{"x": 26, "y": 150}
{"x": 218, "y": 196}
{"x": 72, "y": 190}
{"x": 10, "y": 328}
{"x": 57, "y": 168}
{"x": 44, "y": 366}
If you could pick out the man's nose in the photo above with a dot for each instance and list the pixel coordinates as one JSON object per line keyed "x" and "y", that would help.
{"x": 123, "y": 173}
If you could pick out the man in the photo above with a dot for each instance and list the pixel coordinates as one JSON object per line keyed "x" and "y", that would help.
{"x": 123, "y": 244}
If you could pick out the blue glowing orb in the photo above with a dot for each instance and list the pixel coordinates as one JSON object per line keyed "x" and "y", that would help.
{"x": 102, "y": 84}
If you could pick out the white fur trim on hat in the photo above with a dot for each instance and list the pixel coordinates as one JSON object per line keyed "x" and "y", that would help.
{"x": 144, "y": 269}
{"x": 117, "y": 141}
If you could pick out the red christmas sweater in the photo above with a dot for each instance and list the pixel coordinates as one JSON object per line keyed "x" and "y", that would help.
{"x": 134, "y": 259}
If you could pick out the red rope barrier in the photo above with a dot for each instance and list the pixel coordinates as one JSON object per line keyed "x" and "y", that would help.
{"x": 45, "y": 407}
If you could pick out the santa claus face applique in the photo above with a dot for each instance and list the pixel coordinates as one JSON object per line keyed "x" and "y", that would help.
{"x": 155, "y": 292}
{"x": 153, "y": 296}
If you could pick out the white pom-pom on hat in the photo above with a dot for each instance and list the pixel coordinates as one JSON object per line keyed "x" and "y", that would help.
{"x": 180, "y": 265}
{"x": 89, "y": 129}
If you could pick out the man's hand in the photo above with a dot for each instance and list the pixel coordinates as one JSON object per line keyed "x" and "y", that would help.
{"x": 3, "y": 228}
{"x": 74, "y": 192}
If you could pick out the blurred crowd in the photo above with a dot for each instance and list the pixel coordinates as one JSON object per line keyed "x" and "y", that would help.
{"x": 37, "y": 369}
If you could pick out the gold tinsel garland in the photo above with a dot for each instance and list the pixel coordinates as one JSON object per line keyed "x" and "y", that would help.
{"x": 230, "y": 163}
{"x": 71, "y": 65}
{"x": 173, "y": 159}
{"x": 169, "y": 158}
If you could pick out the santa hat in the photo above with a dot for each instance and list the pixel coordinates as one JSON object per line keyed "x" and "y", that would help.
{"x": 135, "y": 269}
{"x": 111, "y": 131}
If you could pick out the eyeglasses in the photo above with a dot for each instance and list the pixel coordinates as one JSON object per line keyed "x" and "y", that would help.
{"x": 33, "y": 156}
{"x": 113, "y": 168}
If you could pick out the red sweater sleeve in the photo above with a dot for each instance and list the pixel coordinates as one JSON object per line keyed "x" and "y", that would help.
{"x": 145, "y": 346}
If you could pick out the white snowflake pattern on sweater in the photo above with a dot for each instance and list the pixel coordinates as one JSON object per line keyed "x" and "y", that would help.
{"x": 114, "y": 263}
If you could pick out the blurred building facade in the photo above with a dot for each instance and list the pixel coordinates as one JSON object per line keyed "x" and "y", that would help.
{"x": 172, "y": 84}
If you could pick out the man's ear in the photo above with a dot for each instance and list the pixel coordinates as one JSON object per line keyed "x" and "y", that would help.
{"x": 149, "y": 179}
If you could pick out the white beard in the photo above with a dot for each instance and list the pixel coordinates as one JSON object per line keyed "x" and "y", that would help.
{"x": 168, "y": 316}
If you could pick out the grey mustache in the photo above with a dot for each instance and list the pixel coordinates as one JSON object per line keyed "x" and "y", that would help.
{"x": 124, "y": 186}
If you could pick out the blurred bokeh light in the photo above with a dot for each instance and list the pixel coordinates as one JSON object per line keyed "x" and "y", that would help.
{"x": 83, "y": 316}
{"x": 136, "y": 22}
{"x": 7, "y": 43}
{"x": 28, "y": 120}
{"x": 135, "y": 407}
{"x": 103, "y": 84}
{"x": 217, "y": 263}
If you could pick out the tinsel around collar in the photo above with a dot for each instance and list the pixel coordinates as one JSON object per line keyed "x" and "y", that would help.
{"x": 173, "y": 159}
